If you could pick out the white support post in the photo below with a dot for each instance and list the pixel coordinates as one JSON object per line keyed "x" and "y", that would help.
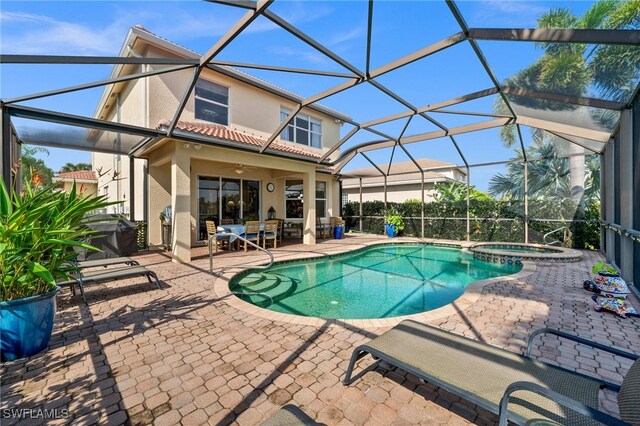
{"x": 309, "y": 209}
{"x": 181, "y": 202}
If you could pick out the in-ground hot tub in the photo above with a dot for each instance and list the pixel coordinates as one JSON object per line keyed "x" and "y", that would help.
{"x": 517, "y": 252}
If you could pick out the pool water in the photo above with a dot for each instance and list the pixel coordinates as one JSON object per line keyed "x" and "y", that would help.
{"x": 378, "y": 282}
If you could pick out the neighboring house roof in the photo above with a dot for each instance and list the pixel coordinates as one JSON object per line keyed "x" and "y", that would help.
{"x": 220, "y": 132}
{"x": 394, "y": 180}
{"x": 403, "y": 168}
{"x": 400, "y": 173}
{"x": 80, "y": 175}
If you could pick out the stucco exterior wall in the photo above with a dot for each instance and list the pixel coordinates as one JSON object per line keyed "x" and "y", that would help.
{"x": 86, "y": 189}
{"x": 395, "y": 193}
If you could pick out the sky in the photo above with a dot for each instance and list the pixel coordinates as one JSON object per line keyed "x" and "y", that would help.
{"x": 399, "y": 28}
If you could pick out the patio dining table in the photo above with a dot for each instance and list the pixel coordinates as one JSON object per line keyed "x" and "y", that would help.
{"x": 235, "y": 229}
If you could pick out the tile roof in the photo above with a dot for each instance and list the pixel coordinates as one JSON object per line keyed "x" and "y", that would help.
{"x": 80, "y": 174}
{"x": 218, "y": 131}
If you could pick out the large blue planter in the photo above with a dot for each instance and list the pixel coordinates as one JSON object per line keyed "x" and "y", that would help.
{"x": 26, "y": 325}
{"x": 391, "y": 230}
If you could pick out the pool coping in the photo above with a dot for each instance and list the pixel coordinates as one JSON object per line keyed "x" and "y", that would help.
{"x": 471, "y": 294}
{"x": 504, "y": 255}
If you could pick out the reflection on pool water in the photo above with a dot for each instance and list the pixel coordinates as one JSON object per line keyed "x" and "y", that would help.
{"x": 379, "y": 282}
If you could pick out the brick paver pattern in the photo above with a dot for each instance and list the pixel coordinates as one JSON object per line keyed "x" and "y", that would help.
{"x": 181, "y": 355}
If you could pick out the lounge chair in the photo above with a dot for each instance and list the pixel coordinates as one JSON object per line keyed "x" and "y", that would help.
{"x": 107, "y": 262}
{"x": 82, "y": 278}
{"x": 487, "y": 376}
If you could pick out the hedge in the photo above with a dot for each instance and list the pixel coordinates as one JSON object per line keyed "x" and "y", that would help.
{"x": 491, "y": 220}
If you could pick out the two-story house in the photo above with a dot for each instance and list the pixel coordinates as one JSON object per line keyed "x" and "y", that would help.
{"x": 211, "y": 167}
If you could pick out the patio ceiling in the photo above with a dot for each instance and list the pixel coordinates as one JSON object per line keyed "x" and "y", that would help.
{"x": 584, "y": 121}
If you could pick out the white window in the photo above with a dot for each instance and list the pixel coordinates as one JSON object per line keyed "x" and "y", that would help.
{"x": 303, "y": 129}
{"x": 321, "y": 199}
{"x": 294, "y": 199}
{"x": 212, "y": 102}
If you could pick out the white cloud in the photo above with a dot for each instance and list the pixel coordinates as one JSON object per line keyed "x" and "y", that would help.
{"x": 346, "y": 36}
{"x": 44, "y": 35}
{"x": 307, "y": 55}
{"x": 515, "y": 13}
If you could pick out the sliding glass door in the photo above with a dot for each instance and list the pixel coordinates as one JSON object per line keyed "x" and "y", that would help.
{"x": 225, "y": 199}
{"x": 208, "y": 203}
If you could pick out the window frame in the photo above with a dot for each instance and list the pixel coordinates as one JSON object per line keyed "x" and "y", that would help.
{"x": 219, "y": 178}
{"x": 286, "y": 200}
{"x": 292, "y": 128}
{"x": 210, "y": 101}
{"x": 301, "y": 199}
{"x": 326, "y": 190}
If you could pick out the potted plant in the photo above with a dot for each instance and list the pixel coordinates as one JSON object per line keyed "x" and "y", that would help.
{"x": 601, "y": 268}
{"x": 394, "y": 224}
{"x": 39, "y": 229}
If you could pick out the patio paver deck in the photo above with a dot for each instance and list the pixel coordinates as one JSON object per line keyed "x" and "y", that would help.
{"x": 183, "y": 354}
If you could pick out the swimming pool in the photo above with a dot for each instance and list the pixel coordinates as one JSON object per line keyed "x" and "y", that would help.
{"x": 377, "y": 282}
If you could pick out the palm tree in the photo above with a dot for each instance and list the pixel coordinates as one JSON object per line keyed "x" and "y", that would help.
{"x": 549, "y": 177}
{"x": 71, "y": 167}
{"x": 571, "y": 68}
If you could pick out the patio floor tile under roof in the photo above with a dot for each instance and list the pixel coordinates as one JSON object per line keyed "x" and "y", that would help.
{"x": 139, "y": 355}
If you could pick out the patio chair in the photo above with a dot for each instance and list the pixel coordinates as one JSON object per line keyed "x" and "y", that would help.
{"x": 226, "y": 222}
{"x": 270, "y": 233}
{"x": 252, "y": 232}
{"x": 321, "y": 228}
{"x": 82, "y": 278}
{"x": 488, "y": 376}
{"x": 280, "y": 230}
{"x": 212, "y": 232}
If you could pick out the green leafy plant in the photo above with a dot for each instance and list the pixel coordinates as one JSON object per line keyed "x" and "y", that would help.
{"x": 393, "y": 218}
{"x": 603, "y": 267}
{"x": 39, "y": 229}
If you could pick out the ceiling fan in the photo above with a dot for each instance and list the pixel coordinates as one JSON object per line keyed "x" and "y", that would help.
{"x": 241, "y": 168}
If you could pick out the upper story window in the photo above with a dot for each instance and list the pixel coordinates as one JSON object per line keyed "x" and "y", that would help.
{"x": 303, "y": 129}
{"x": 212, "y": 102}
